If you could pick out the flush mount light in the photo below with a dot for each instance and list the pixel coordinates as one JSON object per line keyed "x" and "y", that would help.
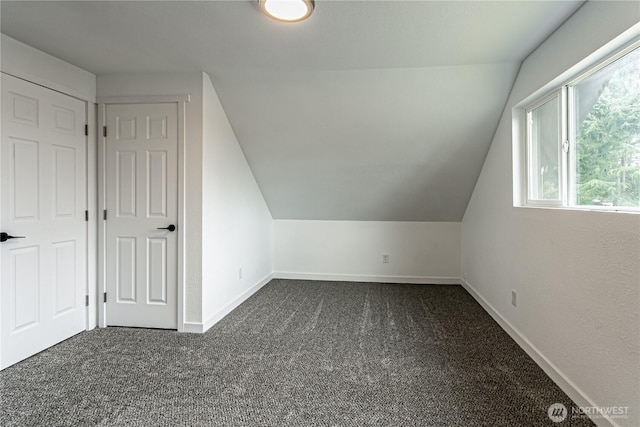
{"x": 287, "y": 10}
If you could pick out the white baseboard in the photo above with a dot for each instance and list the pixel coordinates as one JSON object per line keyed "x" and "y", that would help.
{"x": 423, "y": 280}
{"x": 192, "y": 327}
{"x": 228, "y": 308}
{"x": 577, "y": 395}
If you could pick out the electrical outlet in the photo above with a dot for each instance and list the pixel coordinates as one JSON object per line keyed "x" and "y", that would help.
{"x": 464, "y": 277}
{"x": 385, "y": 258}
{"x": 514, "y": 298}
{"x": 240, "y": 273}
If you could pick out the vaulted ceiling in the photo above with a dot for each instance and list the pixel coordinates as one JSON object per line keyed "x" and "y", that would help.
{"x": 370, "y": 110}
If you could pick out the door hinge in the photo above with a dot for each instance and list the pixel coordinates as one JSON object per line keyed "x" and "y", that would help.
{"x": 86, "y": 130}
{"x": 104, "y": 214}
{"x": 86, "y": 300}
{"x": 105, "y": 297}
{"x": 86, "y": 216}
{"x": 104, "y": 131}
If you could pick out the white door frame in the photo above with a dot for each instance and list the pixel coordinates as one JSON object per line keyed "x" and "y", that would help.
{"x": 92, "y": 223}
{"x": 180, "y": 100}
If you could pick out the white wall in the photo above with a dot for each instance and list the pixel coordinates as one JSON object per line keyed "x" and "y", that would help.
{"x": 177, "y": 84}
{"x": 420, "y": 252}
{"x": 21, "y": 60}
{"x": 237, "y": 225}
{"x": 577, "y": 273}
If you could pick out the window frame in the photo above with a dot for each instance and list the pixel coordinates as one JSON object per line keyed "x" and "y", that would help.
{"x": 567, "y": 147}
{"x": 560, "y": 95}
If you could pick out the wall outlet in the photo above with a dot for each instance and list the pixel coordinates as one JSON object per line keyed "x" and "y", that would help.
{"x": 385, "y": 258}
{"x": 240, "y": 273}
{"x": 464, "y": 277}
{"x": 514, "y": 298}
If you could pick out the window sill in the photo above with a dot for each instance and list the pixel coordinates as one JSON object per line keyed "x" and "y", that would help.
{"x": 605, "y": 209}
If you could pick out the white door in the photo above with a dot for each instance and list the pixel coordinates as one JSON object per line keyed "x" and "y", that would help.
{"x": 43, "y": 199}
{"x": 142, "y": 213}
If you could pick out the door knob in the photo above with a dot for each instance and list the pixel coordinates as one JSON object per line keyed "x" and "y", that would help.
{"x": 5, "y": 236}
{"x": 170, "y": 228}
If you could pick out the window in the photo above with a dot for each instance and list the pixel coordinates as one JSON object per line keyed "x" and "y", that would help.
{"x": 544, "y": 134}
{"x": 583, "y": 140}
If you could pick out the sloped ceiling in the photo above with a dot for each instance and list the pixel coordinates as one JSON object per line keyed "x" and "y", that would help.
{"x": 369, "y": 110}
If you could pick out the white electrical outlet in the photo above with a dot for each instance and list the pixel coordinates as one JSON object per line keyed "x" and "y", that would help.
{"x": 385, "y": 258}
{"x": 464, "y": 277}
{"x": 514, "y": 298}
{"x": 240, "y": 273}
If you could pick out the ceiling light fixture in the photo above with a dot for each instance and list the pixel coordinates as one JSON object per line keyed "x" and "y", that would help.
{"x": 287, "y": 10}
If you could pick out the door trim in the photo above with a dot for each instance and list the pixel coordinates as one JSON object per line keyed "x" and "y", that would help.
{"x": 181, "y": 101}
{"x": 92, "y": 223}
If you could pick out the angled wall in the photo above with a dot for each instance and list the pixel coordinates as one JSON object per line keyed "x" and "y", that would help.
{"x": 577, "y": 273}
{"x": 236, "y": 223}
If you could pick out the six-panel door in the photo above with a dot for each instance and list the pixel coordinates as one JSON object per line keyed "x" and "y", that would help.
{"x": 141, "y": 199}
{"x": 43, "y": 200}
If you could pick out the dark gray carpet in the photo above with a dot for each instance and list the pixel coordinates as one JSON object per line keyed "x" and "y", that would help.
{"x": 296, "y": 353}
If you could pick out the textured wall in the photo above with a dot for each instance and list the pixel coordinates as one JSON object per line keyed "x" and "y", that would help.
{"x": 577, "y": 273}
